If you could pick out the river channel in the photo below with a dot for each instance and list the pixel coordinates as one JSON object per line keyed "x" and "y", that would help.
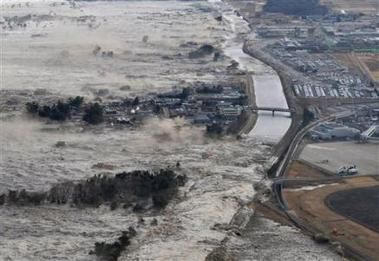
{"x": 267, "y": 85}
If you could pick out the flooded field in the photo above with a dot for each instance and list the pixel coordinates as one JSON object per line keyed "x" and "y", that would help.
{"x": 221, "y": 174}
{"x": 144, "y": 47}
{"x": 55, "y": 46}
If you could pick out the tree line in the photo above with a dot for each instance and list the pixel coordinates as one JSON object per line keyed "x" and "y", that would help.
{"x": 62, "y": 110}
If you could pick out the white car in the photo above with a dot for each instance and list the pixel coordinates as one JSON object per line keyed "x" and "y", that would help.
{"x": 347, "y": 171}
{"x": 352, "y": 170}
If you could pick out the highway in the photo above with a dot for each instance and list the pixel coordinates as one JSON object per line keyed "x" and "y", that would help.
{"x": 299, "y": 137}
{"x": 281, "y": 171}
{"x": 277, "y": 186}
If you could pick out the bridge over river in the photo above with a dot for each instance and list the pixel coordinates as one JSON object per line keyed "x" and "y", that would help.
{"x": 272, "y": 109}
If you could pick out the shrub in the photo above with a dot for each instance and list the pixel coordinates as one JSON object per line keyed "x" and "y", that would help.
{"x": 215, "y": 129}
{"x": 32, "y": 107}
{"x": 135, "y": 101}
{"x": 76, "y": 102}
{"x": 60, "y": 111}
{"x": 94, "y": 114}
{"x": 44, "y": 111}
{"x": 308, "y": 116}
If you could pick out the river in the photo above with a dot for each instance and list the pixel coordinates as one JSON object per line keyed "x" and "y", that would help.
{"x": 267, "y": 85}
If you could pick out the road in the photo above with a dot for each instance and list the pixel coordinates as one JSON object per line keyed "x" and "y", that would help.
{"x": 299, "y": 137}
{"x": 277, "y": 185}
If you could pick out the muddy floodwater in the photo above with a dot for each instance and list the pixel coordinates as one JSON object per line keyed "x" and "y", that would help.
{"x": 55, "y": 49}
{"x": 267, "y": 85}
{"x": 52, "y": 48}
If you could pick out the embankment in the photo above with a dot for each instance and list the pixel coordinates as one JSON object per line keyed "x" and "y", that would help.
{"x": 286, "y": 81}
{"x": 250, "y": 118}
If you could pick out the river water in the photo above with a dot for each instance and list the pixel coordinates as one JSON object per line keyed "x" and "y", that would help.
{"x": 267, "y": 85}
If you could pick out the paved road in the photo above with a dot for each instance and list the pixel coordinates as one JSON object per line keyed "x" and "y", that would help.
{"x": 299, "y": 137}
{"x": 281, "y": 171}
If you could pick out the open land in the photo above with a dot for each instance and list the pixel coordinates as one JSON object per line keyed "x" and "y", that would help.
{"x": 331, "y": 156}
{"x": 309, "y": 205}
{"x": 302, "y": 170}
{"x": 372, "y": 63}
{"x": 358, "y": 204}
{"x": 365, "y": 63}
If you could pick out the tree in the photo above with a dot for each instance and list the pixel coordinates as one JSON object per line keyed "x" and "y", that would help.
{"x": 94, "y": 114}
{"x": 76, "y": 102}
{"x": 185, "y": 93}
{"x": 32, "y": 107}
{"x": 60, "y": 111}
{"x": 216, "y": 56}
{"x": 135, "y": 101}
{"x": 44, "y": 111}
{"x": 214, "y": 129}
{"x": 308, "y": 116}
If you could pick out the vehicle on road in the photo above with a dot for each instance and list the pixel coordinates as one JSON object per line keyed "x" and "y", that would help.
{"x": 347, "y": 171}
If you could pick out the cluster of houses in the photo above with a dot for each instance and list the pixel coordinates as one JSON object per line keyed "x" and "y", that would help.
{"x": 203, "y": 105}
{"x": 323, "y": 76}
{"x": 306, "y": 44}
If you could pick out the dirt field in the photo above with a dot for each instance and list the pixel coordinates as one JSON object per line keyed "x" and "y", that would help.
{"x": 301, "y": 169}
{"x": 365, "y": 6}
{"x": 367, "y": 63}
{"x": 372, "y": 63}
{"x": 309, "y": 206}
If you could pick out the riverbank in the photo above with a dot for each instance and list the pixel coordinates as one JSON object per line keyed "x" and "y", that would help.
{"x": 268, "y": 90}
{"x": 251, "y": 117}
{"x": 286, "y": 82}
{"x": 247, "y": 240}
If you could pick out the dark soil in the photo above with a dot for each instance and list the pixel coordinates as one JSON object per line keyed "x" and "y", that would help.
{"x": 360, "y": 205}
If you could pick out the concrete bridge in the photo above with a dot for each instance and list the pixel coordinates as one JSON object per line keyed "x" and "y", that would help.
{"x": 272, "y": 109}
